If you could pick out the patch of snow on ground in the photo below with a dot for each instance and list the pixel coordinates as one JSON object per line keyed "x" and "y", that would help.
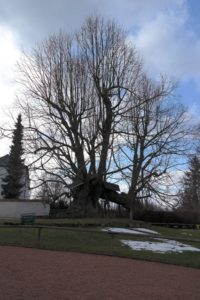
{"x": 123, "y": 230}
{"x": 147, "y": 230}
{"x": 163, "y": 247}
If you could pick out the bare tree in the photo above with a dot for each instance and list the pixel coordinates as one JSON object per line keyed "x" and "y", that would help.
{"x": 52, "y": 190}
{"x": 152, "y": 134}
{"x": 91, "y": 114}
{"x": 76, "y": 90}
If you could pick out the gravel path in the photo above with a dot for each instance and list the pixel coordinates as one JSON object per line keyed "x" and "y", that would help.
{"x": 53, "y": 275}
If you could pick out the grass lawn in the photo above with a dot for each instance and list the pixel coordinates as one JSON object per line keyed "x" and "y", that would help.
{"x": 80, "y": 240}
{"x": 108, "y": 222}
{"x": 89, "y": 222}
{"x": 182, "y": 233}
{"x": 84, "y": 222}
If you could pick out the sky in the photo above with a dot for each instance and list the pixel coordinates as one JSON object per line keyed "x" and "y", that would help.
{"x": 165, "y": 32}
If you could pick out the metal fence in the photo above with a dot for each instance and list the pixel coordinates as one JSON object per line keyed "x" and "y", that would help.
{"x": 36, "y": 236}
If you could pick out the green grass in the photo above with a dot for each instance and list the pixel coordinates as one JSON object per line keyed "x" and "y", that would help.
{"x": 84, "y": 222}
{"x": 182, "y": 233}
{"x": 186, "y": 258}
{"x": 99, "y": 243}
{"x": 18, "y": 237}
{"x": 88, "y": 222}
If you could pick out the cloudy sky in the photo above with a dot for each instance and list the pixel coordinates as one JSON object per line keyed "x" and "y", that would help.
{"x": 166, "y": 33}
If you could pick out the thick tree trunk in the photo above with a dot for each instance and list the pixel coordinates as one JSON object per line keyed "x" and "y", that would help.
{"x": 86, "y": 199}
{"x": 131, "y": 201}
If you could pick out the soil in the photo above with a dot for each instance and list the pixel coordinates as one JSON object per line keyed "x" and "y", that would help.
{"x": 54, "y": 275}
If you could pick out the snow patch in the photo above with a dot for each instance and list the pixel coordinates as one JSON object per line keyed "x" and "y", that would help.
{"x": 140, "y": 231}
{"x": 123, "y": 230}
{"x": 160, "y": 247}
{"x": 147, "y": 230}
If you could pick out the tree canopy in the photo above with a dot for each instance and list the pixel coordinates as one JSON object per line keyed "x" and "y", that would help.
{"x": 93, "y": 115}
{"x": 190, "y": 195}
{"x": 12, "y": 183}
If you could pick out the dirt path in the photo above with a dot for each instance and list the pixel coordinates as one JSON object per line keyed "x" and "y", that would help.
{"x": 48, "y": 275}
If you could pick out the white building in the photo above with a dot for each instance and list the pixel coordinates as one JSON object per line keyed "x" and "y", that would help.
{"x": 10, "y": 208}
{"x": 25, "y": 191}
{"x": 15, "y": 208}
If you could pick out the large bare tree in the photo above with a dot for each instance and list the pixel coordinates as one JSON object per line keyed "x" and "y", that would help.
{"x": 76, "y": 88}
{"x": 153, "y": 134}
{"x": 87, "y": 102}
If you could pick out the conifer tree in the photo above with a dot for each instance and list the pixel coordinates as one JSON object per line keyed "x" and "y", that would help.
{"x": 190, "y": 197}
{"x": 12, "y": 185}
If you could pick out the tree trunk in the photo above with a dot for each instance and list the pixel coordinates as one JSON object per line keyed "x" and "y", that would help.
{"x": 131, "y": 214}
{"x": 131, "y": 201}
{"x": 86, "y": 199}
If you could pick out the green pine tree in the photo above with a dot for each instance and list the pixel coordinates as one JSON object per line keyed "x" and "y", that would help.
{"x": 190, "y": 197}
{"x": 15, "y": 170}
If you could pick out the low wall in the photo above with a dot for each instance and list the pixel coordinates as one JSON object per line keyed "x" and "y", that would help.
{"x": 15, "y": 208}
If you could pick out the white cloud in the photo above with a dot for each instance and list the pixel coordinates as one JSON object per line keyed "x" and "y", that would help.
{"x": 160, "y": 28}
{"x": 8, "y": 56}
{"x": 137, "y": 12}
{"x": 34, "y": 20}
{"x": 169, "y": 45}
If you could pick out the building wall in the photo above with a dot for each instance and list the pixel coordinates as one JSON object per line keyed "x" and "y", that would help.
{"x": 25, "y": 192}
{"x": 14, "y": 208}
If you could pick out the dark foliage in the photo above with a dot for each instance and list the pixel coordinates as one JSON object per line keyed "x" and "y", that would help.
{"x": 15, "y": 169}
{"x": 190, "y": 197}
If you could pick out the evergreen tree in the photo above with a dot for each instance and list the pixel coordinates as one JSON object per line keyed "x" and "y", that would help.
{"x": 190, "y": 197}
{"x": 15, "y": 169}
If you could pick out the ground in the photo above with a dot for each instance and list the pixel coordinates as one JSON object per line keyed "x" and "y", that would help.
{"x": 55, "y": 275}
